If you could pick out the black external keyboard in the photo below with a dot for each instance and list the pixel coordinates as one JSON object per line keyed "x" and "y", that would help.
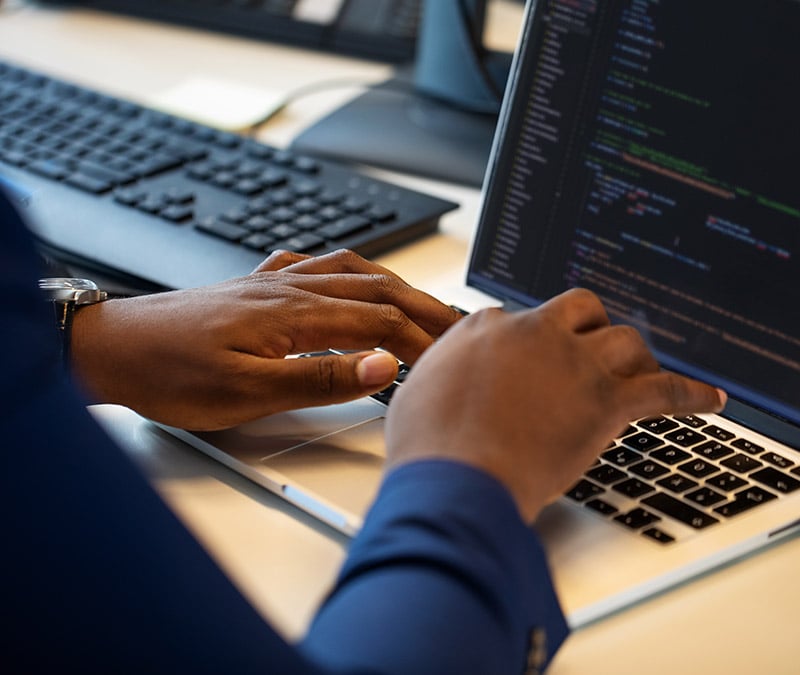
{"x": 384, "y": 30}
{"x": 169, "y": 203}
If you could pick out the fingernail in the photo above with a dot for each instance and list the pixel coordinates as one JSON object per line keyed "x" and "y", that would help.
{"x": 723, "y": 397}
{"x": 377, "y": 368}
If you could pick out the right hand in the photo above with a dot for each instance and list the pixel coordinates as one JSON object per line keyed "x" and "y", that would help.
{"x": 533, "y": 397}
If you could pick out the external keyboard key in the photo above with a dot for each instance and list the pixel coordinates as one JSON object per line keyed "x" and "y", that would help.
{"x": 87, "y": 183}
{"x": 344, "y": 227}
{"x": 302, "y": 243}
{"x": 674, "y": 508}
{"x": 177, "y": 213}
{"x": 50, "y": 168}
{"x": 219, "y": 228}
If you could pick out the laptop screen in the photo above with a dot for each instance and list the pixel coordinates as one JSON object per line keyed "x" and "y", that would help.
{"x": 648, "y": 151}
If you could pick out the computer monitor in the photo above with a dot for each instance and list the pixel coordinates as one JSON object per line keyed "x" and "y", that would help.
{"x": 436, "y": 118}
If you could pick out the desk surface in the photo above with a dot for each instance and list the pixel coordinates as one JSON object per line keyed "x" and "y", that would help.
{"x": 741, "y": 619}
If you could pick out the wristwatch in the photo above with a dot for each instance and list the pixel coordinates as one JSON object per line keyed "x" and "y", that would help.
{"x": 68, "y": 294}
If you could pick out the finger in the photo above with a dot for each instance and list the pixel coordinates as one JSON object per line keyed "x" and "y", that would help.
{"x": 348, "y": 324}
{"x": 342, "y": 261}
{"x": 579, "y": 309}
{"x": 424, "y": 310}
{"x": 623, "y": 350}
{"x": 330, "y": 379}
{"x": 278, "y": 260}
{"x": 669, "y": 393}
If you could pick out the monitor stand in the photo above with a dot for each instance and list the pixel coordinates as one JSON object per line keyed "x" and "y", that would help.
{"x": 395, "y": 126}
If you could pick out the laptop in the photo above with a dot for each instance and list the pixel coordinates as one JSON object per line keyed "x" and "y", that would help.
{"x": 646, "y": 151}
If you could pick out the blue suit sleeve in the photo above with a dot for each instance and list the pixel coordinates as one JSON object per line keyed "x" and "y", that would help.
{"x": 444, "y": 578}
{"x": 99, "y": 574}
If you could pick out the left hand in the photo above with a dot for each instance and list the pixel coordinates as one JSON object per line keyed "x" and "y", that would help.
{"x": 213, "y": 357}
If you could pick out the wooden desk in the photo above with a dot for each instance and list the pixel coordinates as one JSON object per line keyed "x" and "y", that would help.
{"x": 742, "y": 619}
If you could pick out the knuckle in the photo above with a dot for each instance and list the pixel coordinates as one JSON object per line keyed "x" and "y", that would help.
{"x": 345, "y": 258}
{"x": 392, "y": 317}
{"x": 324, "y": 376}
{"x": 385, "y": 285}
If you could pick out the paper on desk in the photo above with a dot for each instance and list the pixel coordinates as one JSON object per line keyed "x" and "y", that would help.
{"x": 219, "y": 103}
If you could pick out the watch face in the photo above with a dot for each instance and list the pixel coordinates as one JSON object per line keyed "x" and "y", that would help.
{"x": 67, "y": 284}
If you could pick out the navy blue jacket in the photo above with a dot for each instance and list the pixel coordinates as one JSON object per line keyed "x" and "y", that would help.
{"x": 100, "y": 576}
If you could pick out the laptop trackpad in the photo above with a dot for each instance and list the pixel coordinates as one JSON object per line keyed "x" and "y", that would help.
{"x": 344, "y": 468}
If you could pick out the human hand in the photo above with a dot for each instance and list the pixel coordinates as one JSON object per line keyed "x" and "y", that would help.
{"x": 533, "y": 397}
{"x": 213, "y": 357}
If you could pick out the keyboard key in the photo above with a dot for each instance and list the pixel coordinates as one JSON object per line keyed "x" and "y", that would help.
{"x": 637, "y": 518}
{"x": 705, "y": 496}
{"x": 727, "y": 482}
{"x": 301, "y": 243}
{"x": 621, "y": 456}
{"x": 583, "y": 490}
{"x": 677, "y": 483}
{"x": 747, "y": 446}
{"x": 712, "y": 450}
{"x": 601, "y": 507}
{"x": 658, "y": 535}
{"x": 219, "y": 228}
{"x": 670, "y": 455}
{"x": 741, "y": 463}
{"x": 777, "y": 480}
{"x": 718, "y": 433}
{"x": 657, "y": 425}
{"x": 691, "y": 421}
{"x": 344, "y": 227}
{"x": 643, "y": 441}
{"x": 633, "y": 488}
{"x": 258, "y": 241}
{"x": 648, "y": 469}
{"x": 606, "y": 474}
{"x": 87, "y": 183}
{"x": 685, "y": 437}
{"x": 674, "y": 508}
{"x": 744, "y": 501}
{"x": 698, "y": 468}
{"x": 177, "y": 213}
{"x": 777, "y": 460}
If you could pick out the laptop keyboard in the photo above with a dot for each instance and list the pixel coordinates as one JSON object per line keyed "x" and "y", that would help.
{"x": 668, "y": 477}
{"x": 186, "y": 175}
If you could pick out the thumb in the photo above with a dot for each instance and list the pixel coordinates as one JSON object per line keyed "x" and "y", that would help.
{"x": 334, "y": 378}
